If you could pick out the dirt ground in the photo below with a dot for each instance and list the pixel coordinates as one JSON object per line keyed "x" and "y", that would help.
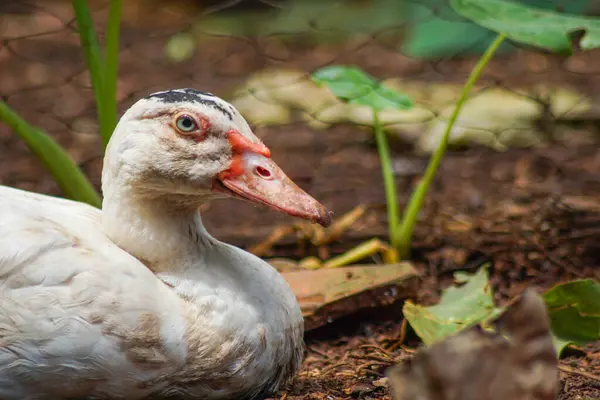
{"x": 534, "y": 214}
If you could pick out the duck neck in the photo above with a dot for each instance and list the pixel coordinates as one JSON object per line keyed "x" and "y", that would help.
{"x": 162, "y": 231}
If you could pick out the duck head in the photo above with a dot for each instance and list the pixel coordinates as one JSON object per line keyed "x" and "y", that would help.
{"x": 197, "y": 146}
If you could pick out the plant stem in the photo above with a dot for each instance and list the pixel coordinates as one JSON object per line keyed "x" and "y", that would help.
{"x": 360, "y": 252}
{"x": 415, "y": 203}
{"x": 111, "y": 67}
{"x": 93, "y": 57}
{"x": 72, "y": 181}
{"x": 388, "y": 179}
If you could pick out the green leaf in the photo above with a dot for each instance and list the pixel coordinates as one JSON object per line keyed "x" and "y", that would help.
{"x": 413, "y": 207}
{"x": 437, "y": 31}
{"x": 459, "y": 308}
{"x": 574, "y": 311}
{"x": 94, "y": 60}
{"x": 444, "y": 33}
{"x": 111, "y": 68}
{"x": 67, "y": 174}
{"x": 536, "y": 27}
{"x": 354, "y": 86}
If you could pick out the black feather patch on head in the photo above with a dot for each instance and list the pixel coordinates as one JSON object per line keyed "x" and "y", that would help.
{"x": 191, "y": 96}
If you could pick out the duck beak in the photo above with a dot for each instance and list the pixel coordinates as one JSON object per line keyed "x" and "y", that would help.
{"x": 253, "y": 176}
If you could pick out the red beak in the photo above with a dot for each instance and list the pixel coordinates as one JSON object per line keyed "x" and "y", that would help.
{"x": 255, "y": 177}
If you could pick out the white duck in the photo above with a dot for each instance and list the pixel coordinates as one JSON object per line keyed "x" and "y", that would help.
{"x": 138, "y": 299}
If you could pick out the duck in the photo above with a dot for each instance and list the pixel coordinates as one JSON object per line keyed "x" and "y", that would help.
{"x": 137, "y": 300}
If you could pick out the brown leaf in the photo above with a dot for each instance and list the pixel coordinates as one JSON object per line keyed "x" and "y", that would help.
{"x": 327, "y": 294}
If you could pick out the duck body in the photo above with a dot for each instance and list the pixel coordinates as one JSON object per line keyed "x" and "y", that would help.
{"x": 103, "y": 326}
{"x": 138, "y": 300}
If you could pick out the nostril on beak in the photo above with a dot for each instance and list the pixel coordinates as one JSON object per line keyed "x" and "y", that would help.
{"x": 262, "y": 172}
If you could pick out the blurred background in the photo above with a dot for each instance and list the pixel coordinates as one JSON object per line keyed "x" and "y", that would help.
{"x": 519, "y": 189}
{"x": 528, "y": 133}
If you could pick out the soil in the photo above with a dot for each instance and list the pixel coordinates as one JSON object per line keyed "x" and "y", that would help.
{"x": 533, "y": 214}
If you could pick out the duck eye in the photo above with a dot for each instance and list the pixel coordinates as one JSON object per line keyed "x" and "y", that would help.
{"x": 185, "y": 123}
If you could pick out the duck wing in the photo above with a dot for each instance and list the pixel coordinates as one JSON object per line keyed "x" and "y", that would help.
{"x": 78, "y": 315}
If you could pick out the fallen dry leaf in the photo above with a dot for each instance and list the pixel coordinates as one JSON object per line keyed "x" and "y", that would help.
{"x": 327, "y": 294}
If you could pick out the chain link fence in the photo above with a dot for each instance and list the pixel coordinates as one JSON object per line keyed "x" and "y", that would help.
{"x": 260, "y": 54}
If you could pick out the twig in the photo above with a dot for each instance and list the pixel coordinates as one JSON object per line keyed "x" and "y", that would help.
{"x": 573, "y": 371}
{"x": 319, "y": 352}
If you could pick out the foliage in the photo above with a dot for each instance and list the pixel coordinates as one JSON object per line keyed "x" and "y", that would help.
{"x": 103, "y": 75}
{"x": 573, "y": 310}
{"x": 460, "y": 307}
{"x": 102, "y": 67}
{"x": 531, "y": 26}
{"x": 436, "y": 30}
{"x": 545, "y": 29}
{"x": 354, "y": 86}
{"x": 418, "y": 196}
{"x": 308, "y": 20}
{"x": 57, "y": 161}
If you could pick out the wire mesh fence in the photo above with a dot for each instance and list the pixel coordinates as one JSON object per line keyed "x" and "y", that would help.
{"x": 259, "y": 55}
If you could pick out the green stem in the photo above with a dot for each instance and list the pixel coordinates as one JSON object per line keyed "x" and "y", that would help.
{"x": 71, "y": 180}
{"x": 111, "y": 67}
{"x": 388, "y": 179}
{"x": 358, "y": 253}
{"x": 416, "y": 201}
{"x": 93, "y": 57}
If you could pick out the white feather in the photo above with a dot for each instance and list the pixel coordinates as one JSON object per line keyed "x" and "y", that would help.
{"x": 136, "y": 300}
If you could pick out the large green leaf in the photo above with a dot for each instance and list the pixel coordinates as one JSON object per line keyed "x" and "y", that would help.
{"x": 459, "y": 308}
{"x": 319, "y": 21}
{"x": 354, "y": 86}
{"x": 67, "y": 174}
{"x": 574, "y": 311}
{"x": 545, "y": 29}
{"x": 436, "y": 30}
